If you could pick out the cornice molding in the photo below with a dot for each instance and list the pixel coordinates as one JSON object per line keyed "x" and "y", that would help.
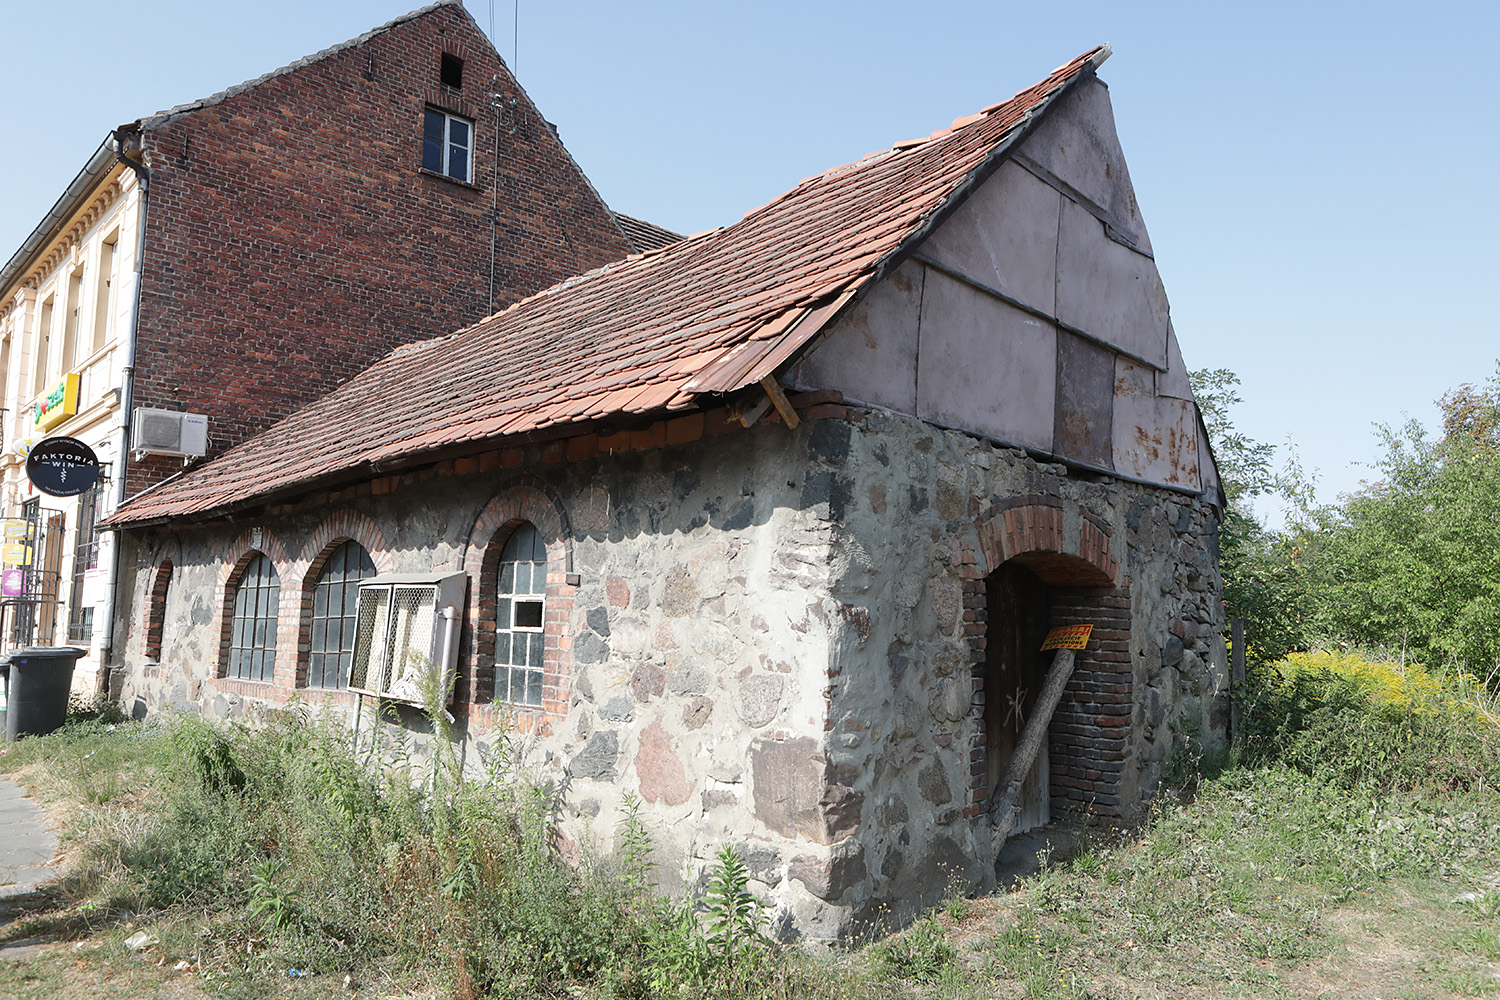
{"x": 73, "y": 235}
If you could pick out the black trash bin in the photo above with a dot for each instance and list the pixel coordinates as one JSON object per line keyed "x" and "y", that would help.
{"x": 41, "y": 678}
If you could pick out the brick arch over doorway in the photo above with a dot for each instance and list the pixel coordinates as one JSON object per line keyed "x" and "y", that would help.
{"x": 1070, "y": 555}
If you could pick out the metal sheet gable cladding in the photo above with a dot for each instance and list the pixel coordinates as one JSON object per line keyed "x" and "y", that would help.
{"x": 62, "y": 467}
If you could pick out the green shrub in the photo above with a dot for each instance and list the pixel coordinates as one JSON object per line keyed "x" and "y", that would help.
{"x": 1358, "y": 722}
{"x": 920, "y": 953}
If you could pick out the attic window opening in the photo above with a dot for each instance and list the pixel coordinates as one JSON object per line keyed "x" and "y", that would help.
{"x": 447, "y": 141}
{"x": 451, "y": 71}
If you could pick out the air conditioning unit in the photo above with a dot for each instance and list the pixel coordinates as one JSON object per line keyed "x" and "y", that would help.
{"x": 406, "y": 638}
{"x": 169, "y": 432}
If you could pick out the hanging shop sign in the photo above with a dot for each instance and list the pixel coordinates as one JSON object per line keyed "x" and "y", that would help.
{"x": 59, "y": 404}
{"x": 15, "y": 554}
{"x": 62, "y": 467}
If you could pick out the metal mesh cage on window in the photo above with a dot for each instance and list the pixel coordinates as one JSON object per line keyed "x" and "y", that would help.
{"x": 335, "y": 599}
{"x": 369, "y": 650}
{"x": 520, "y": 599}
{"x": 406, "y": 638}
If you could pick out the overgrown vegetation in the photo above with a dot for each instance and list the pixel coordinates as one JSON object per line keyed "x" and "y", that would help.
{"x": 1358, "y": 811}
{"x": 1410, "y": 563}
{"x": 1360, "y": 722}
{"x": 287, "y": 846}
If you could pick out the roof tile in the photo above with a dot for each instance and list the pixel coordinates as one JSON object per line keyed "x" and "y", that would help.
{"x": 712, "y": 313}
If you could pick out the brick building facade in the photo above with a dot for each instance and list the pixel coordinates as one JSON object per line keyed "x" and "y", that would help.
{"x": 243, "y": 255}
{"x": 295, "y": 231}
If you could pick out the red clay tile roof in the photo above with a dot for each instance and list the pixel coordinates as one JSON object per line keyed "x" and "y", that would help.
{"x": 708, "y": 315}
{"x": 644, "y": 235}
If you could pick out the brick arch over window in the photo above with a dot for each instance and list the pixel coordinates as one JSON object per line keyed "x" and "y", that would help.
{"x": 1090, "y": 733}
{"x": 343, "y": 526}
{"x": 492, "y": 529}
{"x": 326, "y": 539}
{"x": 156, "y": 608}
{"x": 237, "y": 556}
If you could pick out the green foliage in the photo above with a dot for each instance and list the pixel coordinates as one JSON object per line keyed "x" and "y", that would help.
{"x": 734, "y": 917}
{"x": 920, "y": 953}
{"x": 635, "y": 852}
{"x": 277, "y": 907}
{"x": 1358, "y": 723}
{"x": 99, "y": 710}
{"x": 317, "y": 861}
{"x": 1412, "y": 562}
{"x": 1260, "y": 568}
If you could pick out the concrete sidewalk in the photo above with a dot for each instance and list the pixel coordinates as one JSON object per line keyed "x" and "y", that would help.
{"x": 26, "y": 845}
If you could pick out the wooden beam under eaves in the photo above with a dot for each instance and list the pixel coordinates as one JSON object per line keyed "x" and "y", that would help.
{"x": 779, "y": 400}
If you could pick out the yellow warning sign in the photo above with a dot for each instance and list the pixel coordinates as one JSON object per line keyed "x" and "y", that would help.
{"x": 1068, "y": 637}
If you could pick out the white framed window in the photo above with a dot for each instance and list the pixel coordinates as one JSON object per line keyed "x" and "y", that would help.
{"x": 447, "y": 144}
{"x": 520, "y": 613}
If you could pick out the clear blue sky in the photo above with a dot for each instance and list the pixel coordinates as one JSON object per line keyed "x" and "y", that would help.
{"x": 1318, "y": 178}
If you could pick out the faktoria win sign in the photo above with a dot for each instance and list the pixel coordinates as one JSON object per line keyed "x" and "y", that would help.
{"x": 62, "y": 466}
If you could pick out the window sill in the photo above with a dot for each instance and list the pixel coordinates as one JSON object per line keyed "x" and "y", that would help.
{"x": 444, "y": 177}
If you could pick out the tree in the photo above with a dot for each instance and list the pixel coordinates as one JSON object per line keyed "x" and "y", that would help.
{"x": 1413, "y": 560}
{"x": 1261, "y": 580}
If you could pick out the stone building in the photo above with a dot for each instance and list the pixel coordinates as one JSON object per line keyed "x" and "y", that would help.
{"x": 764, "y": 526}
{"x": 241, "y": 255}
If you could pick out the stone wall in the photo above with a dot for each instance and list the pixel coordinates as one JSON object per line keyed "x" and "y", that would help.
{"x": 927, "y": 515}
{"x": 774, "y": 638}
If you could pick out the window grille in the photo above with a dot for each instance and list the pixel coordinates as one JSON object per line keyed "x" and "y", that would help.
{"x": 406, "y": 639}
{"x": 335, "y": 615}
{"x": 520, "y": 612}
{"x": 85, "y": 558}
{"x": 257, "y": 600}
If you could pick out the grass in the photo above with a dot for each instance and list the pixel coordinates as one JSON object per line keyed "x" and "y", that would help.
{"x": 251, "y": 852}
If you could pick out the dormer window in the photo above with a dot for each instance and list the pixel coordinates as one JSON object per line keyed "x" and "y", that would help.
{"x": 447, "y": 144}
{"x": 451, "y": 71}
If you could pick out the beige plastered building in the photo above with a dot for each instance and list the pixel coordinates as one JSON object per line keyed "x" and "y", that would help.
{"x": 67, "y": 300}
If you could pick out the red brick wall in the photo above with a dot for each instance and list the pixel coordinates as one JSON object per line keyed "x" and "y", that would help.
{"x": 1090, "y": 733}
{"x": 293, "y": 239}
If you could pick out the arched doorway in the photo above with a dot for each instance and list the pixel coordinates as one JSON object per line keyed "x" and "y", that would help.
{"x": 1044, "y": 575}
{"x": 1018, "y": 612}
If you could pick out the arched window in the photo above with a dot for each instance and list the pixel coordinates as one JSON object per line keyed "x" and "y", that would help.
{"x": 252, "y": 639}
{"x": 335, "y": 596}
{"x": 156, "y": 615}
{"x": 519, "y": 613}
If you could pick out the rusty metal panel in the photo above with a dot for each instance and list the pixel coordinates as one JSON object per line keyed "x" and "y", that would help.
{"x": 1208, "y": 469}
{"x": 1085, "y": 402}
{"x": 985, "y": 366}
{"x": 1005, "y": 236}
{"x": 1108, "y": 290}
{"x": 1155, "y": 438}
{"x": 1174, "y": 381}
{"x": 1078, "y": 144}
{"x": 871, "y": 356}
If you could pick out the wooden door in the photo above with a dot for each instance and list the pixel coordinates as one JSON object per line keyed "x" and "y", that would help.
{"x": 1015, "y": 671}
